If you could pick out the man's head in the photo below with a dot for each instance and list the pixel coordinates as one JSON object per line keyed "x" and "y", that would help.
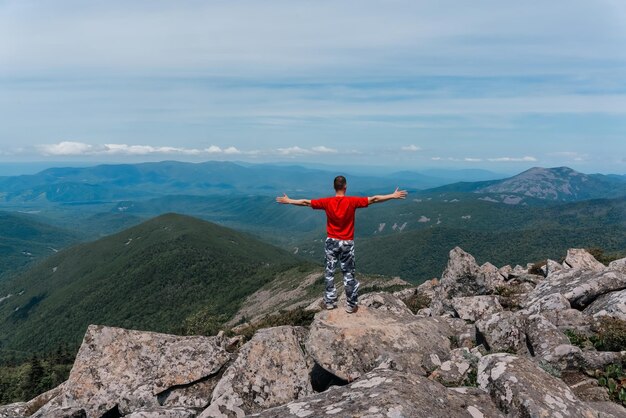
{"x": 340, "y": 183}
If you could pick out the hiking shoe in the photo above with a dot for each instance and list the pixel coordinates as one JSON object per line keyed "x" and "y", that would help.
{"x": 327, "y": 305}
{"x": 351, "y": 309}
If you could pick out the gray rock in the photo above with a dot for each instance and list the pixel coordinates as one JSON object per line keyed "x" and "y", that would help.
{"x": 385, "y": 302}
{"x": 579, "y": 258}
{"x": 128, "y": 370}
{"x": 552, "y": 267}
{"x": 349, "y": 345}
{"x": 29, "y": 408}
{"x": 505, "y": 271}
{"x": 503, "y": 331}
{"x": 542, "y": 335}
{"x": 608, "y": 409}
{"x": 175, "y": 412}
{"x": 612, "y": 303}
{"x": 389, "y": 393}
{"x": 579, "y": 287}
{"x": 271, "y": 370}
{"x": 455, "y": 372}
{"x": 62, "y": 412}
{"x": 464, "y": 332}
{"x": 462, "y": 277}
{"x": 619, "y": 265}
{"x": 473, "y": 308}
{"x": 13, "y": 410}
{"x": 552, "y": 302}
{"x": 586, "y": 388}
{"x": 569, "y": 357}
{"x": 520, "y": 388}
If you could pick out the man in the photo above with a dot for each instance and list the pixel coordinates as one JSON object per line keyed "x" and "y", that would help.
{"x": 339, "y": 246}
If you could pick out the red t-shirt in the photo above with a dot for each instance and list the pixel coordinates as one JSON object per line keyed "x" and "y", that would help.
{"x": 340, "y": 214}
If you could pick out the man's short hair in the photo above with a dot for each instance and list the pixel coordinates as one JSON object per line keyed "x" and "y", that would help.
{"x": 339, "y": 183}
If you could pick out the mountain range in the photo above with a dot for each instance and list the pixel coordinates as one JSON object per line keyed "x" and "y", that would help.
{"x": 106, "y": 183}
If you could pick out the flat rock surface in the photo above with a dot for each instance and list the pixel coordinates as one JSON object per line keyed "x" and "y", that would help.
{"x": 128, "y": 369}
{"x": 612, "y": 303}
{"x": 521, "y": 388}
{"x": 389, "y": 393}
{"x": 349, "y": 345}
{"x": 579, "y": 287}
{"x": 270, "y": 370}
{"x": 473, "y": 308}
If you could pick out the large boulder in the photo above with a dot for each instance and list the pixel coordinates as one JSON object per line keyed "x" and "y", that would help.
{"x": 579, "y": 287}
{"x": 389, "y": 393}
{"x": 473, "y": 308}
{"x": 350, "y": 345}
{"x": 579, "y": 258}
{"x": 521, "y": 388}
{"x": 612, "y": 303}
{"x": 503, "y": 331}
{"x": 542, "y": 335}
{"x": 125, "y": 370}
{"x": 271, "y": 370}
{"x": 462, "y": 277}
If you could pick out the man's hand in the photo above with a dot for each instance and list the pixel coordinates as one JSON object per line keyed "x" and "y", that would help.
{"x": 284, "y": 199}
{"x": 399, "y": 194}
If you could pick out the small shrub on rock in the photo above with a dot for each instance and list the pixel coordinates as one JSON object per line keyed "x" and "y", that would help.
{"x": 417, "y": 301}
{"x": 611, "y": 334}
{"x": 536, "y": 268}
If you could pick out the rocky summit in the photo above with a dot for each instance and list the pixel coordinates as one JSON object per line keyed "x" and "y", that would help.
{"x": 542, "y": 340}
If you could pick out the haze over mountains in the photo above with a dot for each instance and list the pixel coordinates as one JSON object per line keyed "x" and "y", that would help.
{"x": 90, "y": 202}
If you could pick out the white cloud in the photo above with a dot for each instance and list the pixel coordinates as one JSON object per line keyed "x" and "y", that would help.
{"x": 513, "y": 159}
{"x": 296, "y": 150}
{"x": 436, "y": 158}
{"x": 71, "y": 148}
{"x": 324, "y": 150}
{"x": 231, "y": 150}
{"x": 411, "y": 148}
{"x": 66, "y": 148}
{"x": 213, "y": 149}
{"x": 472, "y": 160}
{"x": 293, "y": 151}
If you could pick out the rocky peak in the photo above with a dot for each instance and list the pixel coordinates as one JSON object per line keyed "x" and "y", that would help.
{"x": 558, "y": 183}
{"x": 491, "y": 343}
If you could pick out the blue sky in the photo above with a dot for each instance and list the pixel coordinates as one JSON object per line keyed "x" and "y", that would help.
{"x": 407, "y": 84}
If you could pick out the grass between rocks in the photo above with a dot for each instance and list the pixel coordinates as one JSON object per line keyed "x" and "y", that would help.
{"x": 613, "y": 377}
{"x": 610, "y": 335}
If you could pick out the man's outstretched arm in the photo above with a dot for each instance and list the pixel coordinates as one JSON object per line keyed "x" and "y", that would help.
{"x": 298, "y": 202}
{"x": 398, "y": 194}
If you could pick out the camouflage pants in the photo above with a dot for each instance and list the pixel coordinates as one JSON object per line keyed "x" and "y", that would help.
{"x": 342, "y": 251}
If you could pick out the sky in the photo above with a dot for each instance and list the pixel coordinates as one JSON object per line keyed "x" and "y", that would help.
{"x": 497, "y": 85}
